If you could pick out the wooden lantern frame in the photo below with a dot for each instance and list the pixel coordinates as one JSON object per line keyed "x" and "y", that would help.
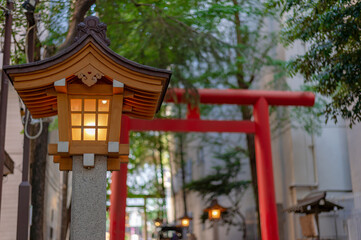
{"x": 158, "y": 222}
{"x": 89, "y": 69}
{"x": 185, "y": 221}
{"x": 215, "y": 207}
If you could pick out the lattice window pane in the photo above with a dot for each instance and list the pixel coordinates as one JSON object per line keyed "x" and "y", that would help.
{"x": 103, "y": 105}
{"x": 102, "y": 120}
{"x": 76, "y": 119}
{"x": 89, "y": 119}
{"x": 76, "y": 105}
{"x": 89, "y": 134}
{"x": 76, "y": 134}
{"x": 102, "y": 134}
{"x": 89, "y": 105}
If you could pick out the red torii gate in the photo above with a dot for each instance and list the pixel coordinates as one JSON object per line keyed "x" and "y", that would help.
{"x": 260, "y": 127}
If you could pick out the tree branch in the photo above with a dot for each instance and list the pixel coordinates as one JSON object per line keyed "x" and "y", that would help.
{"x": 141, "y": 4}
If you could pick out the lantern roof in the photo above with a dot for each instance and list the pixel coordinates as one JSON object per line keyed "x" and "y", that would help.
{"x": 185, "y": 217}
{"x": 144, "y": 86}
{"x": 314, "y": 203}
{"x": 215, "y": 206}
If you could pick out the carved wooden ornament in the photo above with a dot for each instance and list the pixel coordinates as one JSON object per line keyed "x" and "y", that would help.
{"x": 89, "y": 75}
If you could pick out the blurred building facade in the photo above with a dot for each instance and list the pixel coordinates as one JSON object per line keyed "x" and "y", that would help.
{"x": 304, "y": 164}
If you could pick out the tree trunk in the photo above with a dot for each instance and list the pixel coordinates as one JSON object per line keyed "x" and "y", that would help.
{"x": 172, "y": 182}
{"x": 160, "y": 149}
{"x": 247, "y": 115}
{"x": 38, "y": 153}
{"x": 244, "y": 226}
{"x": 182, "y": 163}
{"x": 246, "y": 112}
{"x": 181, "y": 154}
{"x": 155, "y": 162}
{"x": 38, "y": 184}
{"x": 81, "y": 7}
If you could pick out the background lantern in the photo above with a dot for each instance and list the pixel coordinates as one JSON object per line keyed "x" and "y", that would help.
{"x": 185, "y": 221}
{"x": 158, "y": 222}
{"x": 215, "y": 210}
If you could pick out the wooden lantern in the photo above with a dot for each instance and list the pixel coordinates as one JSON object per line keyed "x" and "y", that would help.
{"x": 89, "y": 87}
{"x": 215, "y": 210}
{"x": 185, "y": 221}
{"x": 158, "y": 222}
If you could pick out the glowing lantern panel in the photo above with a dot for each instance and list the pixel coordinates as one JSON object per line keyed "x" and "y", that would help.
{"x": 89, "y": 119}
{"x": 215, "y": 214}
{"x": 185, "y": 222}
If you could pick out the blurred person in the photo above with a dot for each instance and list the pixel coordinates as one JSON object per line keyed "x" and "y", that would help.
{"x": 174, "y": 237}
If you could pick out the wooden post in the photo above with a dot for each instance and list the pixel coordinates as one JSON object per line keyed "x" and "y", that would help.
{"x": 215, "y": 230}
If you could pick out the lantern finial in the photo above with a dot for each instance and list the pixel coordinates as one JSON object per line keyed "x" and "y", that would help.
{"x": 92, "y": 25}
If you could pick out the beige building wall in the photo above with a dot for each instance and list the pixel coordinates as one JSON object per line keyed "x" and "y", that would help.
{"x": 53, "y": 185}
{"x": 14, "y": 146}
{"x": 354, "y": 141}
{"x": 53, "y": 195}
{"x": 306, "y": 163}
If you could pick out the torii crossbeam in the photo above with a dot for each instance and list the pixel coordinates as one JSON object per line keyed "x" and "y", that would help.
{"x": 260, "y": 127}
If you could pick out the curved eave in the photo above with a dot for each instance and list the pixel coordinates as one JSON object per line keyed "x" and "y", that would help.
{"x": 43, "y": 102}
{"x": 64, "y": 54}
{"x": 43, "y": 65}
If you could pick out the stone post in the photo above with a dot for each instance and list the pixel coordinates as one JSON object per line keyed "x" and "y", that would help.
{"x": 88, "y": 206}
{"x": 184, "y": 233}
{"x": 215, "y": 230}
